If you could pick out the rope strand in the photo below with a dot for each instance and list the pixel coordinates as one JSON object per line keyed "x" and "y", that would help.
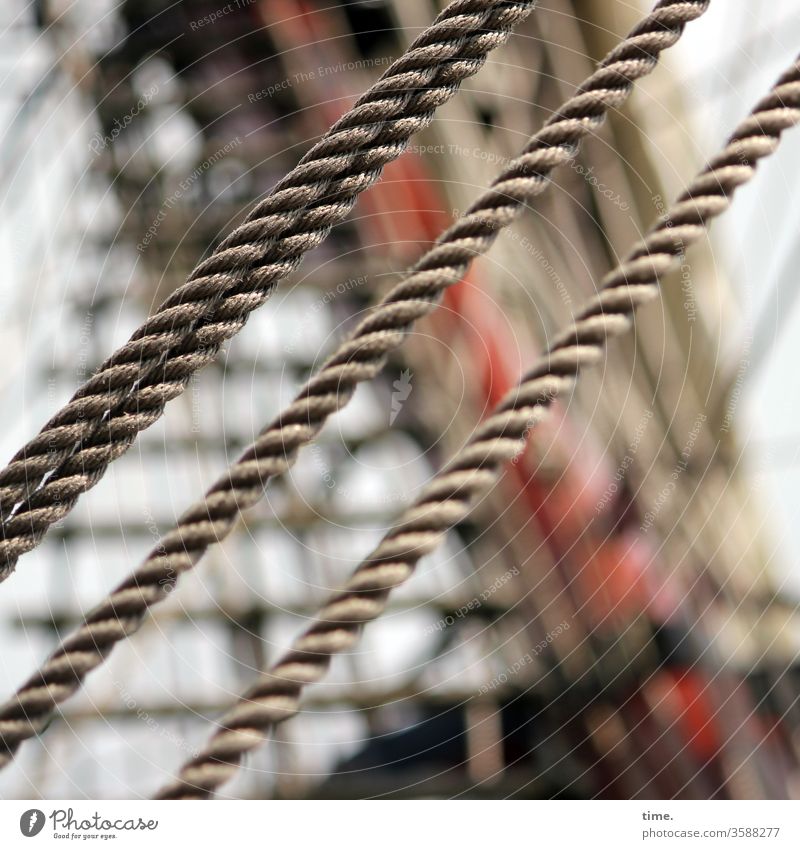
{"x": 128, "y": 393}
{"x": 448, "y": 498}
{"x": 359, "y": 358}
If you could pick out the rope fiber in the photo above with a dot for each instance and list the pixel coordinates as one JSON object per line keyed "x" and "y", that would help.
{"x": 128, "y": 393}
{"x": 449, "y": 496}
{"x": 359, "y": 358}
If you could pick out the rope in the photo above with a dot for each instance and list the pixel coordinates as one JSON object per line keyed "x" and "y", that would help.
{"x": 359, "y": 358}
{"x": 131, "y": 389}
{"x": 448, "y": 497}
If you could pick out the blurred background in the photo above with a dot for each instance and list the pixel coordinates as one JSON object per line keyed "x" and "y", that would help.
{"x": 643, "y": 553}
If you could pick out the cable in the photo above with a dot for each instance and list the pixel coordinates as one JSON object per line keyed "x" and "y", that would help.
{"x": 359, "y": 358}
{"x": 450, "y": 495}
{"x": 131, "y": 388}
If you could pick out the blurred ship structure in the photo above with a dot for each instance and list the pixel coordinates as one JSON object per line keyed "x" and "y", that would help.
{"x": 608, "y": 623}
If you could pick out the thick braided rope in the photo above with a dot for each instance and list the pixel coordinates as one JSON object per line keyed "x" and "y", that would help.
{"x": 449, "y": 496}
{"x": 129, "y": 391}
{"x": 359, "y": 358}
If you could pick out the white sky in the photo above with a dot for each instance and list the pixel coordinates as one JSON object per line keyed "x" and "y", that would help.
{"x": 728, "y": 59}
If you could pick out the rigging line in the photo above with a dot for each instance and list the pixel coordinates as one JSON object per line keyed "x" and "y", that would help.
{"x": 128, "y": 393}
{"x": 499, "y": 439}
{"x": 359, "y": 358}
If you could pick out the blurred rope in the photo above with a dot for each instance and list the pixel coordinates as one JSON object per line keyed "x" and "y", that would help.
{"x": 131, "y": 388}
{"x": 451, "y": 494}
{"x": 359, "y": 358}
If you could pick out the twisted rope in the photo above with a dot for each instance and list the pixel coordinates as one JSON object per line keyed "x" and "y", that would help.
{"x": 359, "y": 358}
{"x": 131, "y": 389}
{"x": 449, "y": 496}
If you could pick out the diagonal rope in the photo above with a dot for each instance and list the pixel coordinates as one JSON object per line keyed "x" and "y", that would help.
{"x": 130, "y": 390}
{"x": 359, "y": 358}
{"x": 450, "y": 495}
